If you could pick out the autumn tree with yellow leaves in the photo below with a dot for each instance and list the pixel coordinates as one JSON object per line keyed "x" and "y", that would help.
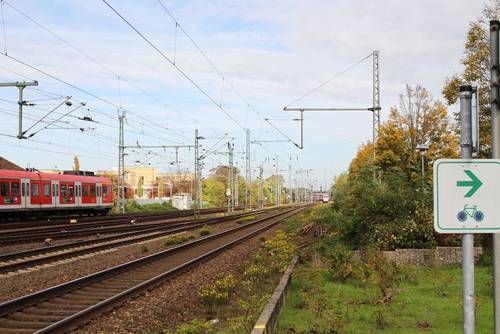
{"x": 383, "y": 201}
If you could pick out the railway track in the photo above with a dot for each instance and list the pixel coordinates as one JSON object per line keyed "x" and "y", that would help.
{"x": 82, "y": 230}
{"x": 108, "y": 219}
{"x": 39, "y": 256}
{"x": 66, "y": 306}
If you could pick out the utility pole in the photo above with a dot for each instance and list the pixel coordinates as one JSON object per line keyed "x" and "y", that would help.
{"x": 236, "y": 188}
{"x": 495, "y": 114}
{"x": 197, "y": 173}
{"x": 230, "y": 180}
{"x": 121, "y": 163}
{"x": 468, "y": 238}
{"x": 261, "y": 187}
{"x": 376, "y": 100}
{"x": 375, "y": 108}
{"x": 289, "y": 192}
{"x": 277, "y": 184}
{"x": 248, "y": 171}
{"x": 20, "y": 86}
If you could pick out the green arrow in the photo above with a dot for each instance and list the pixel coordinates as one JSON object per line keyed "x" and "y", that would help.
{"x": 474, "y": 183}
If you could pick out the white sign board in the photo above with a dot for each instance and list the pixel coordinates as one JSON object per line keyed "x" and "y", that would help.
{"x": 467, "y": 196}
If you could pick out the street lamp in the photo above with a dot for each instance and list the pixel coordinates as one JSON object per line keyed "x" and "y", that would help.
{"x": 422, "y": 148}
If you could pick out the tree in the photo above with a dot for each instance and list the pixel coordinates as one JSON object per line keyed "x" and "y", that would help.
{"x": 76, "y": 164}
{"x": 394, "y": 210}
{"x": 214, "y": 192}
{"x": 418, "y": 120}
{"x": 476, "y": 68}
{"x": 140, "y": 188}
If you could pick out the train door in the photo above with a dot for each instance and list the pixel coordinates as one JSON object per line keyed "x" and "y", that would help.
{"x": 78, "y": 193}
{"x": 55, "y": 193}
{"x": 25, "y": 193}
{"x": 99, "y": 194}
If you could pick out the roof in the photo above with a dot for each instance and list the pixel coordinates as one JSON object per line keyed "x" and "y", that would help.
{"x": 6, "y": 164}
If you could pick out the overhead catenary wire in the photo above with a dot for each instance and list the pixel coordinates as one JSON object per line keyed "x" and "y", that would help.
{"x": 4, "y": 32}
{"x": 82, "y": 90}
{"x": 85, "y": 54}
{"x": 181, "y": 71}
{"x": 324, "y": 83}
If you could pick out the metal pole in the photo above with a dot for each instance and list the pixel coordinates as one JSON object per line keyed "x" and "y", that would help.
{"x": 121, "y": 164}
{"x": 467, "y": 239}
{"x": 289, "y": 193}
{"x": 423, "y": 170}
{"x": 248, "y": 175}
{"x": 197, "y": 173}
{"x": 276, "y": 184}
{"x": 495, "y": 114}
{"x": 261, "y": 187}
{"x": 20, "y": 102}
{"x": 302, "y": 129}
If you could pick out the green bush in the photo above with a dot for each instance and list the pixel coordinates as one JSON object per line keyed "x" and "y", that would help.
{"x": 178, "y": 239}
{"x": 246, "y": 219}
{"x": 218, "y": 293}
{"x": 205, "y": 230}
{"x": 387, "y": 214}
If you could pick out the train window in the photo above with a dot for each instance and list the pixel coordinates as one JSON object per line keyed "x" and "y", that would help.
{"x": 46, "y": 190}
{"x": 85, "y": 191}
{"x": 92, "y": 191}
{"x": 63, "y": 190}
{"x": 104, "y": 191}
{"x": 4, "y": 188}
{"x": 70, "y": 191}
{"x": 15, "y": 189}
{"x": 34, "y": 190}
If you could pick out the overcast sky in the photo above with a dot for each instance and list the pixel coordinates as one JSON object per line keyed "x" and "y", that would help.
{"x": 270, "y": 53}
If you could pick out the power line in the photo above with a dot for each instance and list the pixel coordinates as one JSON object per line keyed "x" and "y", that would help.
{"x": 187, "y": 77}
{"x": 330, "y": 80}
{"x": 83, "y": 91}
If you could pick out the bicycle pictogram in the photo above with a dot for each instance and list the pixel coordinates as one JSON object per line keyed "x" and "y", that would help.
{"x": 470, "y": 211}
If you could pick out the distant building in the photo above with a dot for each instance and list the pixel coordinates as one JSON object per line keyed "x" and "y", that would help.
{"x": 153, "y": 181}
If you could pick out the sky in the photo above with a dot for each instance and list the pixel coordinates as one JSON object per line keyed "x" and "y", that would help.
{"x": 240, "y": 63}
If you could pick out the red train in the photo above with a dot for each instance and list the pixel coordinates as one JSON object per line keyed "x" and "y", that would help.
{"x": 24, "y": 191}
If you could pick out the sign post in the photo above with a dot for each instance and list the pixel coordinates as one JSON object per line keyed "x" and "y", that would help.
{"x": 463, "y": 201}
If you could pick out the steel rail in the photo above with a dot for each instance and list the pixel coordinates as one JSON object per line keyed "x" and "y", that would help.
{"x": 74, "y": 249}
{"x": 106, "y": 283}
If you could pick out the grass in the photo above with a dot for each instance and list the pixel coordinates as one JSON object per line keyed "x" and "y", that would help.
{"x": 246, "y": 219}
{"x": 134, "y": 207}
{"x": 429, "y": 300}
{"x": 178, "y": 239}
{"x": 205, "y": 230}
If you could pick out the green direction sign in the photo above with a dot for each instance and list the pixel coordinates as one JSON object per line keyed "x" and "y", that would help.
{"x": 474, "y": 183}
{"x": 466, "y": 196}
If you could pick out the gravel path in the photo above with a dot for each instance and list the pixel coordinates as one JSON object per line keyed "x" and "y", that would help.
{"x": 176, "y": 301}
{"x": 25, "y": 282}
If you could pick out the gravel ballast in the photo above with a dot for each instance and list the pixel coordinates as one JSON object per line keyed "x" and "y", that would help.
{"x": 176, "y": 301}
